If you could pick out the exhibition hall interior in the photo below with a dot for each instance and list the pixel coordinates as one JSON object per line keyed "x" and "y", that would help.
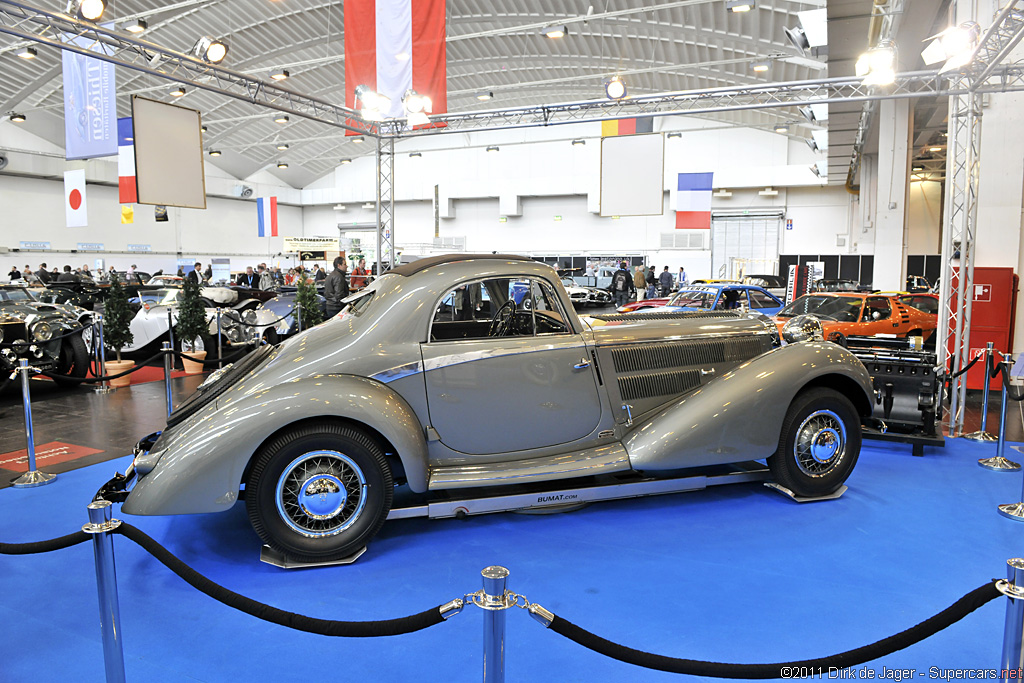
{"x": 578, "y": 340}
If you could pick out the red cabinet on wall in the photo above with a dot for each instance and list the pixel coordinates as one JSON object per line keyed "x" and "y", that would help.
{"x": 993, "y": 308}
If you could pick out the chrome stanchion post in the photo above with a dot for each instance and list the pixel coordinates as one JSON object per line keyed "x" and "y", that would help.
{"x": 104, "y": 386}
{"x": 297, "y": 310}
{"x": 494, "y": 604}
{"x": 220, "y": 351}
{"x": 100, "y": 525}
{"x": 982, "y": 434}
{"x": 170, "y": 329}
{"x": 33, "y": 477}
{"x": 1000, "y": 463}
{"x": 1013, "y": 631}
{"x": 167, "y": 375}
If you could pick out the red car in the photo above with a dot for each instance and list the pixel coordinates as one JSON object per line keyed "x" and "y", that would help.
{"x": 642, "y": 304}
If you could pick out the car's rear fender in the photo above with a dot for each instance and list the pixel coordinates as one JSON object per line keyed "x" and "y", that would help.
{"x": 739, "y": 415}
{"x": 201, "y": 469}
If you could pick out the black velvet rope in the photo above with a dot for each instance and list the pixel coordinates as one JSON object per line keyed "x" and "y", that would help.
{"x": 93, "y": 380}
{"x": 242, "y": 323}
{"x": 299, "y": 622}
{"x": 44, "y": 546}
{"x": 954, "y": 375}
{"x": 1010, "y": 390}
{"x": 801, "y": 669}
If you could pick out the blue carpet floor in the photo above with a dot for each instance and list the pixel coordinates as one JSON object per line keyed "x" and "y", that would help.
{"x": 735, "y": 573}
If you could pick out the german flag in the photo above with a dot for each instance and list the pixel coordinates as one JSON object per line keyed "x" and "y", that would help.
{"x": 640, "y": 124}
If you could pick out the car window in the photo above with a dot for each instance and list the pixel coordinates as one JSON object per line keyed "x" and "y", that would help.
{"x": 922, "y": 303}
{"x": 731, "y": 299}
{"x": 15, "y": 294}
{"x": 498, "y": 307}
{"x": 693, "y": 298}
{"x": 877, "y": 308}
{"x": 549, "y": 318}
{"x": 840, "y": 308}
{"x": 761, "y": 300}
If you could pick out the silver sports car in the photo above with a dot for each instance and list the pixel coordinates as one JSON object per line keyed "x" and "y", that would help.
{"x": 438, "y": 377}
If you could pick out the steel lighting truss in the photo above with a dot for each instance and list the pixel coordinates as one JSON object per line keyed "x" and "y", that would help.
{"x": 58, "y": 30}
{"x": 963, "y": 165}
{"x": 385, "y": 204}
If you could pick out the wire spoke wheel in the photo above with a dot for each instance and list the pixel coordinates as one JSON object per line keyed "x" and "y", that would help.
{"x": 321, "y": 493}
{"x": 820, "y": 443}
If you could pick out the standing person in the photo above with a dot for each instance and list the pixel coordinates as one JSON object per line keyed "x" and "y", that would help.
{"x": 85, "y": 271}
{"x": 652, "y": 283}
{"x": 681, "y": 279}
{"x": 319, "y": 274}
{"x": 639, "y": 280}
{"x": 196, "y": 274}
{"x": 43, "y": 274}
{"x": 622, "y": 285}
{"x": 265, "y": 281}
{"x": 15, "y": 274}
{"x": 665, "y": 282}
{"x": 67, "y": 276}
{"x": 248, "y": 278}
{"x": 359, "y": 274}
{"x": 336, "y": 287}
{"x": 208, "y": 273}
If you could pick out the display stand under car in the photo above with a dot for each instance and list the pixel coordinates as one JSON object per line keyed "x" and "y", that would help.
{"x": 51, "y": 337}
{"x": 435, "y": 380}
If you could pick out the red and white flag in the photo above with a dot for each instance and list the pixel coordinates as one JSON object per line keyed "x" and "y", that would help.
{"x": 393, "y": 46}
{"x": 127, "y": 189}
{"x": 74, "y": 199}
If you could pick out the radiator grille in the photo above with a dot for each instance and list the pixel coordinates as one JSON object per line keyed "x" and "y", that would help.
{"x": 658, "y": 384}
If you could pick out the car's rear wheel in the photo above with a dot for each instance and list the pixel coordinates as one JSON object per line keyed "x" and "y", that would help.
{"x": 319, "y": 492}
{"x": 73, "y": 362}
{"x": 819, "y": 444}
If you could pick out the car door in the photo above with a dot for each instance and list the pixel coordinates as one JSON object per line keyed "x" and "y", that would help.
{"x": 495, "y": 388}
{"x": 763, "y": 302}
{"x": 884, "y": 322}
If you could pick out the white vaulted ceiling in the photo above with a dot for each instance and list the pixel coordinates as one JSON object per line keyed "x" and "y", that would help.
{"x": 493, "y": 45}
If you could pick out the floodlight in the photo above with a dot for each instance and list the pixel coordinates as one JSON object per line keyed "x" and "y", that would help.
{"x": 375, "y": 105}
{"x": 135, "y": 26}
{"x": 282, "y": 164}
{"x": 739, "y": 5}
{"x": 27, "y": 53}
{"x": 615, "y": 88}
{"x": 675, "y": 134}
{"x": 282, "y": 146}
{"x": 820, "y": 137}
{"x": 492, "y": 148}
{"x": 279, "y": 74}
{"x": 202, "y": 129}
{"x": 556, "y": 31}
{"x": 484, "y": 96}
{"x": 210, "y": 50}
{"x": 415, "y": 155}
{"x": 807, "y": 113}
{"x": 798, "y": 37}
{"x": 214, "y": 152}
{"x": 90, "y": 10}
{"x": 934, "y": 149}
{"x": 346, "y": 161}
{"x": 178, "y": 92}
{"x": 917, "y": 168}
{"x": 782, "y": 128}
{"x": 812, "y": 144}
{"x": 281, "y": 118}
{"x": 16, "y": 117}
{"x": 579, "y": 142}
{"x": 359, "y": 139}
{"x": 760, "y": 67}
{"x": 955, "y": 46}
{"x": 877, "y": 66}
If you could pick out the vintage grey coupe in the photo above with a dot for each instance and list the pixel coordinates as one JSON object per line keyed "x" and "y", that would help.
{"x": 434, "y": 377}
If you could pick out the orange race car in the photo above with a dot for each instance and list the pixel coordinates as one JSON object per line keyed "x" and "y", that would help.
{"x": 865, "y": 315}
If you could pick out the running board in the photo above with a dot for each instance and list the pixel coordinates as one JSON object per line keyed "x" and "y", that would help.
{"x": 586, "y": 463}
{"x": 613, "y": 490}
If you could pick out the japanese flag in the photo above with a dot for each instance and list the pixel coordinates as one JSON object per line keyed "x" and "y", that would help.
{"x": 74, "y": 199}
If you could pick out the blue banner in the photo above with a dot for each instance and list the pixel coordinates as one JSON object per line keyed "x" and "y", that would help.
{"x": 90, "y": 108}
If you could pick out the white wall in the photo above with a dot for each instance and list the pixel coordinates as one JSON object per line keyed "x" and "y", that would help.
{"x": 924, "y": 208}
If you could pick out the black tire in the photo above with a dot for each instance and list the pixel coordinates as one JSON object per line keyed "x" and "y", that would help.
{"x": 347, "y": 509}
{"x": 826, "y": 419}
{"x": 74, "y": 361}
{"x": 271, "y": 336}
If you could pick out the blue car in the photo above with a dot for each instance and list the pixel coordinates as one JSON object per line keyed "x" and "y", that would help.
{"x": 723, "y": 297}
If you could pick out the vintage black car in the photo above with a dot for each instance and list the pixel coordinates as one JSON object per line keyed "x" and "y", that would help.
{"x": 50, "y": 336}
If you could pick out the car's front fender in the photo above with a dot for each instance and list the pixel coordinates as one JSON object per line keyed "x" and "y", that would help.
{"x": 201, "y": 468}
{"x": 739, "y": 415}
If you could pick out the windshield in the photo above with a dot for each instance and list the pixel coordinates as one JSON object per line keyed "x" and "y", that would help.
{"x": 693, "y": 298}
{"x": 569, "y": 282}
{"x": 839, "y": 308}
{"x": 15, "y": 294}
{"x": 164, "y": 297}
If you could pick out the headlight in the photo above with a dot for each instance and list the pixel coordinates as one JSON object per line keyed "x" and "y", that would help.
{"x": 803, "y": 328}
{"x": 234, "y": 334}
{"x": 249, "y": 317}
{"x": 42, "y": 332}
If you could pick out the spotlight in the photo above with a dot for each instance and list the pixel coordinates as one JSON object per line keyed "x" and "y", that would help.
{"x": 812, "y": 144}
{"x": 955, "y": 46}
{"x": 675, "y": 134}
{"x": 202, "y": 129}
{"x": 781, "y": 128}
{"x": 807, "y": 113}
{"x": 798, "y": 37}
{"x": 135, "y": 26}
{"x": 90, "y": 10}
{"x": 282, "y": 146}
{"x": 556, "y": 31}
{"x": 416, "y": 108}
{"x": 214, "y": 152}
{"x": 17, "y": 118}
{"x": 615, "y": 88}
{"x": 279, "y": 74}
{"x": 281, "y": 118}
{"x": 739, "y": 5}
{"x": 578, "y": 142}
{"x": 210, "y": 50}
{"x": 346, "y": 161}
{"x": 27, "y": 53}
{"x": 917, "y": 168}
{"x": 492, "y": 148}
{"x": 877, "y": 66}
{"x": 934, "y": 149}
{"x": 359, "y": 139}
{"x": 178, "y": 92}
{"x": 375, "y": 105}
{"x": 760, "y": 67}
{"x": 484, "y": 96}
{"x": 415, "y": 155}
{"x": 282, "y": 164}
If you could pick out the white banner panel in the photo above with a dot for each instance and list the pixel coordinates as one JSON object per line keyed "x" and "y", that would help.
{"x": 293, "y": 245}
{"x": 168, "y": 154}
{"x": 633, "y": 175}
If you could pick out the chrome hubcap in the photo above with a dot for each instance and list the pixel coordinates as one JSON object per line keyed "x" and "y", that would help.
{"x": 820, "y": 443}
{"x": 321, "y": 493}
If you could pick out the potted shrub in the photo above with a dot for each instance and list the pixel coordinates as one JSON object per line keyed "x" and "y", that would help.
{"x": 117, "y": 333}
{"x": 192, "y": 327}
{"x": 308, "y": 303}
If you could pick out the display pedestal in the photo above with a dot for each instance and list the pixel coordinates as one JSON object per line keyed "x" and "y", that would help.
{"x": 805, "y": 499}
{"x": 271, "y": 556}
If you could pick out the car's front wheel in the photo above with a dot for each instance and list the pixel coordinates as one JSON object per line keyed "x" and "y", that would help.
{"x": 74, "y": 360}
{"x": 319, "y": 492}
{"x": 819, "y": 443}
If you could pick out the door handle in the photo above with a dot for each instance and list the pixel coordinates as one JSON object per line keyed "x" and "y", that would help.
{"x": 584, "y": 363}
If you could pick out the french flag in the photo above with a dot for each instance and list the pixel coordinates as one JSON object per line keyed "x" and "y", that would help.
{"x": 393, "y": 46}
{"x": 127, "y": 190}
{"x": 693, "y": 201}
{"x": 266, "y": 209}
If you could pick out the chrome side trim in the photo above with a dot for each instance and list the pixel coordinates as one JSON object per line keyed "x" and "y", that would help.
{"x": 585, "y": 463}
{"x": 396, "y": 373}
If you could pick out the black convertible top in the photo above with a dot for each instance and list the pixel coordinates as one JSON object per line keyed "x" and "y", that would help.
{"x": 424, "y": 263}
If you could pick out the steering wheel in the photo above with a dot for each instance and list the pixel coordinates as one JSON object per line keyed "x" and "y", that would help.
{"x": 501, "y": 323}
